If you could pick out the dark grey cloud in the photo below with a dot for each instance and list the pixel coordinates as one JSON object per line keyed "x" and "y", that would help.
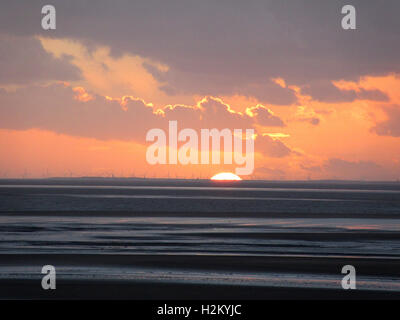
{"x": 373, "y": 95}
{"x": 175, "y": 82}
{"x": 213, "y": 113}
{"x": 237, "y": 43}
{"x": 327, "y": 92}
{"x": 391, "y": 126}
{"x": 265, "y": 117}
{"x": 57, "y": 108}
{"x": 23, "y": 60}
{"x": 271, "y": 147}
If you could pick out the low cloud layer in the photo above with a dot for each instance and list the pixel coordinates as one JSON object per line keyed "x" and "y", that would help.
{"x": 355, "y": 170}
{"x": 75, "y": 112}
{"x": 328, "y": 92}
{"x": 391, "y": 126}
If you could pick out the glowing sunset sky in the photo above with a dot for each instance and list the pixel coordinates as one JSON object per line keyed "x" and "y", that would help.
{"x": 78, "y": 100}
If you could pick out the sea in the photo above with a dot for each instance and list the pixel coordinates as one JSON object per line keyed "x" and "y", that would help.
{"x": 111, "y": 217}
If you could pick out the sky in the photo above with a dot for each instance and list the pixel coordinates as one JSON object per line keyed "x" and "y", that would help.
{"x": 324, "y": 102}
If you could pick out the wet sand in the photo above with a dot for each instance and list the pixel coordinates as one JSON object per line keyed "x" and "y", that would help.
{"x": 87, "y": 288}
{"x": 135, "y": 290}
{"x": 325, "y": 264}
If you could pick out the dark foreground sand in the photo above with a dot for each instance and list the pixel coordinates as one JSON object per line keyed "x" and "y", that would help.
{"x": 106, "y": 289}
{"x": 132, "y": 289}
{"x": 328, "y": 265}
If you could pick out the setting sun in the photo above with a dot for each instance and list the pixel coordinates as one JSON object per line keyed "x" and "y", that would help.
{"x": 226, "y": 176}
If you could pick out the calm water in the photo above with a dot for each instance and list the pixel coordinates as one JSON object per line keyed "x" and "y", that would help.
{"x": 172, "y": 196}
{"x": 89, "y": 216}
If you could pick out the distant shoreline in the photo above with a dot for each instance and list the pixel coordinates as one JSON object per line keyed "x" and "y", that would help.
{"x": 187, "y": 214}
{"x": 200, "y": 180}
